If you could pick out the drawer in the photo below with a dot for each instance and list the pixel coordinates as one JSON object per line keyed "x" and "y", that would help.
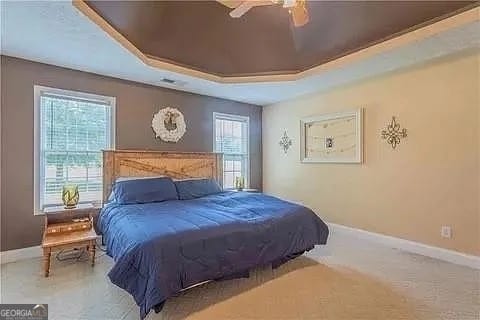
{"x": 68, "y": 227}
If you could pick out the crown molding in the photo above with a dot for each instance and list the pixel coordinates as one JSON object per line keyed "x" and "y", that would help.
{"x": 455, "y": 21}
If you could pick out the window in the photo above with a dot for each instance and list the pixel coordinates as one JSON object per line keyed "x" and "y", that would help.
{"x": 71, "y": 130}
{"x": 231, "y": 138}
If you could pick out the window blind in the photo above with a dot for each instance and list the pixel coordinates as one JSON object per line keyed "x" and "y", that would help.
{"x": 231, "y": 138}
{"x": 73, "y": 132}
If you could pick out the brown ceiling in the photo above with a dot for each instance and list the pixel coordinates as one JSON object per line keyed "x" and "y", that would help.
{"x": 202, "y": 36}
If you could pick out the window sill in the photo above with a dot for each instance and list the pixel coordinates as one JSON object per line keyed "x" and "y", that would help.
{"x": 57, "y": 208}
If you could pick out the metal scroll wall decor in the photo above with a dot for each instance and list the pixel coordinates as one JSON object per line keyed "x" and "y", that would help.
{"x": 393, "y": 133}
{"x": 285, "y": 142}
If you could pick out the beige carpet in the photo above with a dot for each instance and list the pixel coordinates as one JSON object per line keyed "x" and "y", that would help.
{"x": 304, "y": 290}
{"x": 358, "y": 280}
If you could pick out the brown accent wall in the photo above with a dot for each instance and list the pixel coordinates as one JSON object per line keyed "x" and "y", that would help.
{"x": 135, "y": 105}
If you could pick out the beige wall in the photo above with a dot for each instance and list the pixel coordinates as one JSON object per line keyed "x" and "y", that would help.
{"x": 431, "y": 179}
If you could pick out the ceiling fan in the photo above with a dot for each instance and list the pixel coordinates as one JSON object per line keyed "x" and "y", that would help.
{"x": 297, "y": 8}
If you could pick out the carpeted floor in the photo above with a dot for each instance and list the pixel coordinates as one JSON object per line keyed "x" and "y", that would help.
{"x": 355, "y": 280}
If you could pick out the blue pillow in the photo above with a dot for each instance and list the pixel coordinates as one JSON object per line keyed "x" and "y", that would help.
{"x": 196, "y": 188}
{"x": 144, "y": 190}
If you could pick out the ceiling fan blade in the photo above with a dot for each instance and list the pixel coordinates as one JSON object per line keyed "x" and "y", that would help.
{"x": 232, "y": 4}
{"x": 241, "y": 9}
{"x": 247, "y": 5}
{"x": 299, "y": 14}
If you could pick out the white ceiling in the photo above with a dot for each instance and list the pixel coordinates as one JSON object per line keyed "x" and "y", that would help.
{"x": 56, "y": 33}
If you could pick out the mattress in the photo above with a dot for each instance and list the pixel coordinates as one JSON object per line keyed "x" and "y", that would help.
{"x": 163, "y": 247}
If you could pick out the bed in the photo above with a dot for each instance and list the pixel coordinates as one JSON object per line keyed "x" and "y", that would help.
{"x": 163, "y": 247}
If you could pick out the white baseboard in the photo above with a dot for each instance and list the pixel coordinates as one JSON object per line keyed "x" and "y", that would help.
{"x": 397, "y": 243}
{"x": 410, "y": 246}
{"x": 20, "y": 254}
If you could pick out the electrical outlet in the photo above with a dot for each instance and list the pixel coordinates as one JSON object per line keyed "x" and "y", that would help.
{"x": 446, "y": 232}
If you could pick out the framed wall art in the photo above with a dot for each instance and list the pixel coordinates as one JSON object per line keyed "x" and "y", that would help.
{"x": 334, "y": 138}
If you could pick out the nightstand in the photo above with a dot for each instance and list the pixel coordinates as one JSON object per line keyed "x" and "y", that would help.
{"x": 68, "y": 229}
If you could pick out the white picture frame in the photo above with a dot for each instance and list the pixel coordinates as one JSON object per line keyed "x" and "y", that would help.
{"x": 318, "y": 145}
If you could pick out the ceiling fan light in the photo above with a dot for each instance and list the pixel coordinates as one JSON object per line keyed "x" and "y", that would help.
{"x": 289, "y": 3}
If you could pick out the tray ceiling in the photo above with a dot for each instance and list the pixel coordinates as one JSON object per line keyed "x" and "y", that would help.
{"x": 61, "y": 33}
{"x": 200, "y": 35}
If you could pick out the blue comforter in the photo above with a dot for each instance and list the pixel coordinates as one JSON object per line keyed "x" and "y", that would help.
{"x": 161, "y": 248}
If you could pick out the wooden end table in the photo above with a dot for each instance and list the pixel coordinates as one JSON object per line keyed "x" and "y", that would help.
{"x": 68, "y": 229}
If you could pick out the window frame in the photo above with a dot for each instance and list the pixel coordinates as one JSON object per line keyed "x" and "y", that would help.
{"x": 239, "y": 118}
{"x": 38, "y": 167}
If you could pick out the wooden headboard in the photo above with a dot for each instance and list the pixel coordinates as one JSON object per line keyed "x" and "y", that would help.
{"x": 177, "y": 165}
